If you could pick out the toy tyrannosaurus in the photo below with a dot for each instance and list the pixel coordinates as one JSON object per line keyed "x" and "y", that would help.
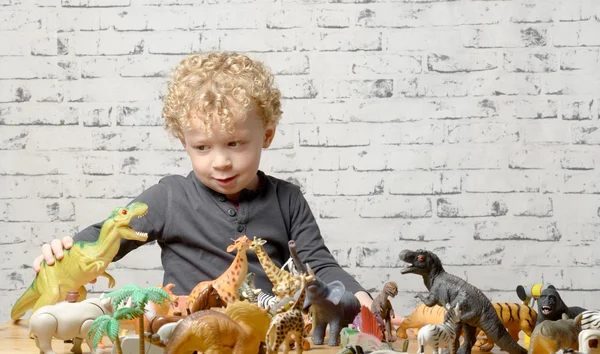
{"x": 475, "y": 308}
{"x": 82, "y": 263}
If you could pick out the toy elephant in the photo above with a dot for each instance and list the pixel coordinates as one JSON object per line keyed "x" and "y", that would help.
{"x": 329, "y": 304}
{"x": 66, "y": 320}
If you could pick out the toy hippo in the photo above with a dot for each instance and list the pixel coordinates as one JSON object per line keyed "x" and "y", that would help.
{"x": 67, "y": 320}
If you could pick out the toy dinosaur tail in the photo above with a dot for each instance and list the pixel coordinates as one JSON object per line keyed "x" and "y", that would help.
{"x": 490, "y": 323}
{"x": 24, "y": 303}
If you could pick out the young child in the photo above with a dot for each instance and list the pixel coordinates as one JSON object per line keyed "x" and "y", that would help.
{"x": 224, "y": 108}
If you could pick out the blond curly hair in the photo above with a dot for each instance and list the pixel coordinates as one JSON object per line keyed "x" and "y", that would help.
{"x": 219, "y": 88}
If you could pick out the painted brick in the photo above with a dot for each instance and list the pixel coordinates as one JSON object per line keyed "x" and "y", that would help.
{"x": 395, "y": 207}
{"x": 577, "y": 109}
{"x": 127, "y": 139}
{"x": 579, "y": 59}
{"x": 289, "y": 161}
{"x": 519, "y": 62}
{"x": 586, "y": 211}
{"x": 38, "y": 163}
{"x": 432, "y": 14}
{"x": 471, "y": 206}
{"x": 532, "y": 11}
{"x": 73, "y": 19}
{"x": 456, "y": 108}
{"x": 154, "y": 66}
{"x": 258, "y": 41}
{"x": 410, "y": 133}
{"x": 580, "y": 10}
{"x": 14, "y": 232}
{"x": 123, "y": 187}
{"x": 569, "y": 84}
{"x": 432, "y": 86}
{"x": 46, "y": 114}
{"x": 285, "y": 137}
{"x": 392, "y": 158}
{"x": 463, "y": 62}
{"x": 14, "y": 138}
{"x": 331, "y": 183}
{"x": 95, "y": 3}
{"x": 22, "y": 210}
{"x": 392, "y": 110}
{"x": 44, "y": 46}
{"x": 340, "y": 40}
{"x": 529, "y": 108}
{"x": 27, "y": 67}
{"x": 581, "y": 182}
{"x": 356, "y": 88}
{"x": 28, "y": 91}
{"x": 517, "y": 229}
{"x": 97, "y": 164}
{"x": 582, "y": 232}
{"x": 576, "y": 34}
{"x": 482, "y": 133}
{"x": 387, "y": 64}
{"x": 139, "y": 114}
{"x": 148, "y": 19}
{"x": 332, "y": 135}
{"x": 96, "y": 116}
{"x": 578, "y": 160}
{"x": 175, "y": 42}
{"x": 450, "y": 158}
{"x": 531, "y": 158}
{"x": 108, "y": 43}
{"x": 163, "y": 3}
{"x": 60, "y": 138}
{"x": 68, "y": 70}
{"x": 586, "y": 133}
{"x": 424, "y": 182}
{"x": 289, "y": 18}
{"x": 518, "y": 36}
{"x": 416, "y": 39}
{"x": 494, "y": 85}
{"x": 335, "y": 208}
{"x": 154, "y": 163}
{"x": 297, "y": 87}
{"x": 492, "y": 181}
{"x": 531, "y": 205}
{"x": 21, "y": 20}
{"x": 237, "y": 17}
{"x": 545, "y": 133}
{"x": 333, "y": 18}
{"x": 45, "y": 232}
{"x": 285, "y": 63}
{"x": 17, "y": 44}
{"x": 114, "y": 90}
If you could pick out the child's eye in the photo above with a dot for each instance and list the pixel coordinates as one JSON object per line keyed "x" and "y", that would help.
{"x": 202, "y": 147}
{"x": 235, "y": 143}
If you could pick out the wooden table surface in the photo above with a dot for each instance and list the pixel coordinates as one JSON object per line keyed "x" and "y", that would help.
{"x": 14, "y": 338}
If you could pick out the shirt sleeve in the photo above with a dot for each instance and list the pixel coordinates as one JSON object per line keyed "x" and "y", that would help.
{"x": 153, "y": 223}
{"x": 311, "y": 247}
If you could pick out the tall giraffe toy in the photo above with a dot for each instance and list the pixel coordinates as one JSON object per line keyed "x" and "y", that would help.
{"x": 284, "y": 283}
{"x": 288, "y": 323}
{"x": 228, "y": 283}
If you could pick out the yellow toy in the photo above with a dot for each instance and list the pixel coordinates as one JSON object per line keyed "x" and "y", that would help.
{"x": 82, "y": 263}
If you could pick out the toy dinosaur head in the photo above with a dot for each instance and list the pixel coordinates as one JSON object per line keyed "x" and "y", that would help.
{"x": 121, "y": 218}
{"x": 421, "y": 262}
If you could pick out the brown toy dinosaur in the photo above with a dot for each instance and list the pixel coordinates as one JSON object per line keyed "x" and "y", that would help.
{"x": 382, "y": 306}
{"x": 228, "y": 283}
{"x": 239, "y": 329}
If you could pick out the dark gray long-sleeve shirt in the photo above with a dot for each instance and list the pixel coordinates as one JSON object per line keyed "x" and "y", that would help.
{"x": 194, "y": 225}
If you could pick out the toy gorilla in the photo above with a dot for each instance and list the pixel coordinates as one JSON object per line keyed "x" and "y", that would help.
{"x": 551, "y": 306}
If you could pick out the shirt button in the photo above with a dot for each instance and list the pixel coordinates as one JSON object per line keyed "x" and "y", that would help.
{"x": 231, "y": 212}
{"x": 240, "y": 228}
{"x": 222, "y": 198}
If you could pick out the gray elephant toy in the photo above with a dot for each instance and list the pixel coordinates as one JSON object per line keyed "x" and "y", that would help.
{"x": 328, "y": 304}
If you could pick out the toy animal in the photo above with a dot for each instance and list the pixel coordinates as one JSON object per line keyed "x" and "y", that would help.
{"x": 589, "y": 340}
{"x": 550, "y": 336}
{"x": 421, "y": 316}
{"x": 551, "y": 306}
{"x": 440, "y": 336}
{"x": 248, "y": 290}
{"x": 229, "y": 282}
{"x": 67, "y": 320}
{"x": 383, "y": 307}
{"x": 329, "y": 304}
{"x": 239, "y": 329}
{"x": 590, "y": 319}
{"x": 444, "y": 288}
{"x": 82, "y": 263}
{"x": 288, "y": 323}
{"x": 284, "y": 283}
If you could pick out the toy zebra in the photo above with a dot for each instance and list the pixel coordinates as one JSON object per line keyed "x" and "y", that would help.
{"x": 266, "y": 301}
{"x": 440, "y": 336}
{"x": 590, "y": 319}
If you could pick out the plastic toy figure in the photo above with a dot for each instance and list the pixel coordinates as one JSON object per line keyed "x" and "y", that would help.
{"x": 439, "y": 336}
{"x": 67, "y": 320}
{"x": 475, "y": 308}
{"x": 230, "y": 281}
{"x": 551, "y": 306}
{"x": 383, "y": 307}
{"x": 284, "y": 283}
{"x": 82, "y": 263}
{"x": 550, "y": 336}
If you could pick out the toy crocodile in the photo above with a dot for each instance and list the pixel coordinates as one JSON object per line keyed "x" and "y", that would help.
{"x": 476, "y": 308}
{"x": 82, "y": 263}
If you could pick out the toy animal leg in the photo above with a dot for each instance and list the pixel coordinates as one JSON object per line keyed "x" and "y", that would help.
{"x": 44, "y": 344}
{"x": 319, "y": 332}
{"x": 299, "y": 346}
{"x": 420, "y": 347}
{"x": 286, "y": 343}
{"x": 85, "y": 328}
{"x": 77, "y": 346}
{"x": 470, "y": 338}
{"x": 334, "y": 334}
{"x": 388, "y": 327}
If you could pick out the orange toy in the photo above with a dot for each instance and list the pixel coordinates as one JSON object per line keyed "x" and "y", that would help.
{"x": 420, "y": 317}
{"x": 229, "y": 282}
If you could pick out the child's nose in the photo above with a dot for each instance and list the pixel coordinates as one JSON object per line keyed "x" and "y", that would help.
{"x": 221, "y": 161}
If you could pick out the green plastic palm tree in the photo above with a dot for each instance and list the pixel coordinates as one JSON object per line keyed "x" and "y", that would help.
{"x": 109, "y": 325}
{"x": 139, "y": 298}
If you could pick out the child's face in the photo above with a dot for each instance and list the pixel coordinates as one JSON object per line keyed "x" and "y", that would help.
{"x": 228, "y": 162}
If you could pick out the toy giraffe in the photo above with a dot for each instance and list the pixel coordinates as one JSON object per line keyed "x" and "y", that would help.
{"x": 288, "y": 323}
{"x": 284, "y": 283}
{"x": 228, "y": 283}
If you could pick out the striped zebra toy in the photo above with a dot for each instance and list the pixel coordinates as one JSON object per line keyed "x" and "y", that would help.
{"x": 439, "y": 336}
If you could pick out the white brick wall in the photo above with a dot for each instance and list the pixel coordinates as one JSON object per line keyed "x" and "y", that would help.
{"x": 470, "y": 128}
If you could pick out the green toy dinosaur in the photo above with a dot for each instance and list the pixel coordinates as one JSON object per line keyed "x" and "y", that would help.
{"x": 82, "y": 263}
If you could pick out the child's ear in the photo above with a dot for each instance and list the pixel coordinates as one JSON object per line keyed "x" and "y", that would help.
{"x": 269, "y": 135}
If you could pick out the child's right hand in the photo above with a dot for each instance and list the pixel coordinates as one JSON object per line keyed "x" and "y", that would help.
{"x": 49, "y": 250}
